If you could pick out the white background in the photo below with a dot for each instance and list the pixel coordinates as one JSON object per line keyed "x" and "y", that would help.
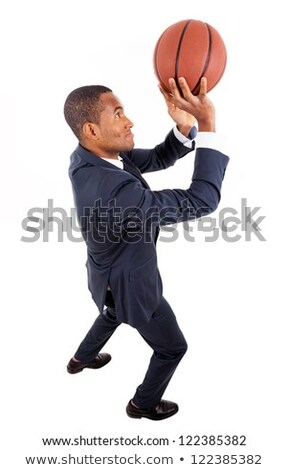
{"x": 229, "y": 298}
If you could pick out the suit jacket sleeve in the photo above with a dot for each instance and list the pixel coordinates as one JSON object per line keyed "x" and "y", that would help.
{"x": 160, "y": 157}
{"x": 170, "y": 205}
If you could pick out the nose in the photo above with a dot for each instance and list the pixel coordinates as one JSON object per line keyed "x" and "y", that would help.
{"x": 129, "y": 123}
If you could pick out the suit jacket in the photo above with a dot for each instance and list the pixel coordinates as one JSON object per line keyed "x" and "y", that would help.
{"x": 120, "y": 216}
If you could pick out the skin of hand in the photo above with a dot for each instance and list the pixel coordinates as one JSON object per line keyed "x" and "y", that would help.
{"x": 200, "y": 107}
{"x": 184, "y": 120}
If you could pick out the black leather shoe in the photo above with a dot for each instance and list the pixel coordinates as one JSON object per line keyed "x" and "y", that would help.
{"x": 163, "y": 410}
{"x": 73, "y": 367}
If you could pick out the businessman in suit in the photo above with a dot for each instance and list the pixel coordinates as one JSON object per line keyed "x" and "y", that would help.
{"x": 120, "y": 217}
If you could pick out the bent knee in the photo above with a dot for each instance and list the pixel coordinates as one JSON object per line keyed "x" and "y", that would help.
{"x": 184, "y": 347}
{"x": 177, "y": 351}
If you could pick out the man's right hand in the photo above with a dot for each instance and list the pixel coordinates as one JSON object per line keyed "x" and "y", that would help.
{"x": 200, "y": 106}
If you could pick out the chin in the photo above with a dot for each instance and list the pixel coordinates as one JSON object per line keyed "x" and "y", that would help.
{"x": 129, "y": 147}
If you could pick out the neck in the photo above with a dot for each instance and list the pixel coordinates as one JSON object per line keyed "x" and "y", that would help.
{"x": 98, "y": 151}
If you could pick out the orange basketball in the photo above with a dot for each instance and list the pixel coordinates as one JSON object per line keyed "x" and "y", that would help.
{"x": 190, "y": 49}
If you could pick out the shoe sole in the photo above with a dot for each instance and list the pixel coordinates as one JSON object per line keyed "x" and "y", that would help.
{"x": 153, "y": 418}
{"x": 74, "y": 371}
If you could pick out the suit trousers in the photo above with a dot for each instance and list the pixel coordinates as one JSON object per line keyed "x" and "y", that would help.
{"x": 161, "y": 333}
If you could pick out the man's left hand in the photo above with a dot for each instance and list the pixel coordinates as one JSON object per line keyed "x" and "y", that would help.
{"x": 184, "y": 121}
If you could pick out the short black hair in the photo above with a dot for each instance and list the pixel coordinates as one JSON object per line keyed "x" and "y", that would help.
{"x": 84, "y": 105}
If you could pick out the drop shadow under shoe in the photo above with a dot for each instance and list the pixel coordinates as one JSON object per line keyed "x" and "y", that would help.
{"x": 163, "y": 410}
{"x": 73, "y": 367}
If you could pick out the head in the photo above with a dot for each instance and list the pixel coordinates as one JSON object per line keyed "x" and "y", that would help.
{"x": 96, "y": 117}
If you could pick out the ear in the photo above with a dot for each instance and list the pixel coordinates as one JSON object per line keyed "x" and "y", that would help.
{"x": 90, "y": 131}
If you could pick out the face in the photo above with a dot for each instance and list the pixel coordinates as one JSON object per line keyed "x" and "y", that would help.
{"x": 114, "y": 130}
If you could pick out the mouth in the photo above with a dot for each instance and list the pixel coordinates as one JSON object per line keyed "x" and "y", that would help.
{"x": 129, "y": 136}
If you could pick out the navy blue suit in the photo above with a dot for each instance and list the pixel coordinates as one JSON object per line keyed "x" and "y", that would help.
{"x": 120, "y": 218}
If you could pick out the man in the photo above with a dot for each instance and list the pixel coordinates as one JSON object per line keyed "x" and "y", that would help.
{"x": 120, "y": 218}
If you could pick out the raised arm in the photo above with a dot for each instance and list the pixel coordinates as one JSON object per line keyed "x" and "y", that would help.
{"x": 203, "y": 195}
{"x": 168, "y": 152}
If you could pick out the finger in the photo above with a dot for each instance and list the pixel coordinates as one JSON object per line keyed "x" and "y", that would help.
{"x": 186, "y": 90}
{"x": 174, "y": 89}
{"x": 203, "y": 86}
{"x": 164, "y": 91}
{"x": 184, "y": 85}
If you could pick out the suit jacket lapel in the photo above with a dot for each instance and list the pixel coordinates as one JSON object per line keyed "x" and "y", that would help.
{"x": 131, "y": 168}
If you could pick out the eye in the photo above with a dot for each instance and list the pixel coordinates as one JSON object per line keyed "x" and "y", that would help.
{"x": 119, "y": 114}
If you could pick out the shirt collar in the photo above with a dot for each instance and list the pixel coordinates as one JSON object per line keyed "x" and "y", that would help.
{"x": 117, "y": 162}
{"x": 95, "y": 159}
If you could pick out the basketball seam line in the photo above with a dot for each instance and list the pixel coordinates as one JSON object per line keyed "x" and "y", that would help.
{"x": 179, "y": 48}
{"x": 207, "y": 59}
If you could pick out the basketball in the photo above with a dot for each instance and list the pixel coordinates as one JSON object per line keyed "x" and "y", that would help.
{"x": 190, "y": 49}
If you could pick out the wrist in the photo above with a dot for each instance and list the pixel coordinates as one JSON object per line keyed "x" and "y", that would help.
{"x": 207, "y": 126}
{"x": 184, "y": 129}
